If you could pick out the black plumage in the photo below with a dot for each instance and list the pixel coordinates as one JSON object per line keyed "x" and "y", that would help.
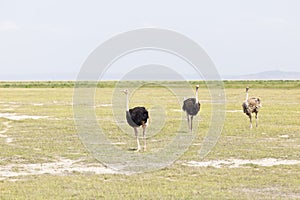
{"x": 191, "y": 106}
{"x": 137, "y": 116}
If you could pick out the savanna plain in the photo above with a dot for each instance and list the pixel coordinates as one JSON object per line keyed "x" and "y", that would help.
{"x": 43, "y": 157}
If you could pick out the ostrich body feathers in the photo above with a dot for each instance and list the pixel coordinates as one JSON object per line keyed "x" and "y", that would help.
{"x": 191, "y": 106}
{"x": 252, "y": 105}
{"x": 137, "y": 116}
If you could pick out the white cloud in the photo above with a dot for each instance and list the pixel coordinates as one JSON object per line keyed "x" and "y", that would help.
{"x": 8, "y": 25}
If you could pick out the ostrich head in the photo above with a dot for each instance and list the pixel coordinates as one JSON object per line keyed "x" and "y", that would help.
{"x": 125, "y": 91}
{"x": 197, "y": 100}
{"x": 247, "y": 88}
{"x": 127, "y": 100}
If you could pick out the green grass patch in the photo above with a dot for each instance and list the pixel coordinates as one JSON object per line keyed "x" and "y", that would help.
{"x": 111, "y": 84}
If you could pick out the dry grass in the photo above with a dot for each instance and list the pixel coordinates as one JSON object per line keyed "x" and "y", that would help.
{"x": 51, "y": 139}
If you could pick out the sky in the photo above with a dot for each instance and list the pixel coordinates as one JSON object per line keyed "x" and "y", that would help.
{"x": 50, "y": 40}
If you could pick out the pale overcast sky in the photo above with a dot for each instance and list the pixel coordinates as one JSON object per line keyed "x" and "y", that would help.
{"x": 51, "y": 39}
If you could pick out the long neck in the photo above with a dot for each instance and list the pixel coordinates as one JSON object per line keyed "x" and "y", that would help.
{"x": 247, "y": 95}
{"x": 197, "y": 100}
{"x": 127, "y": 102}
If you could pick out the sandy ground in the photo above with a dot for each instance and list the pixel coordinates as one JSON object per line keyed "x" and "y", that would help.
{"x": 61, "y": 167}
{"x": 15, "y": 117}
{"x": 7, "y": 126}
{"x": 66, "y": 166}
{"x": 236, "y": 163}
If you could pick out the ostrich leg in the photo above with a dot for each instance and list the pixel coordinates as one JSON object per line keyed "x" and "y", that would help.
{"x": 256, "y": 117}
{"x": 191, "y": 123}
{"x": 188, "y": 119}
{"x": 250, "y": 116}
{"x": 144, "y": 136}
{"x": 137, "y": 139}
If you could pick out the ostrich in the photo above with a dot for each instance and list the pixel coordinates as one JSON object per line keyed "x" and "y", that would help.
{"x": 191, "y": 106}
{"x": 250, "y": 106}
{"x": 137, "y": 117}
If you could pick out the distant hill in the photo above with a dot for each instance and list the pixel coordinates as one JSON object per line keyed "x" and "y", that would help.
{"x": 151, "y": 75}
{"x": 267, "y": 75}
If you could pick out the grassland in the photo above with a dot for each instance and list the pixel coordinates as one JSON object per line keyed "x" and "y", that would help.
{"x": 52, "y": 136}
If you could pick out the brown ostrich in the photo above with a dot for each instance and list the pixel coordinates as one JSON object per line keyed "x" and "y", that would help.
{"x": 250, "y": 106}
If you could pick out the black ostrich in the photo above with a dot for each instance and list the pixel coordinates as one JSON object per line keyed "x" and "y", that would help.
{"x": 137, "y": 117}
{"x": 191, "y": 106}
{"x": 250, "y": 106}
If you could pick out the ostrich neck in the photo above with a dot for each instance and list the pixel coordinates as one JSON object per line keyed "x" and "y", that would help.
{"x": 247, "y": 96}
{"x": 127, "y": 102}
{"x": 197, "y": 100}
